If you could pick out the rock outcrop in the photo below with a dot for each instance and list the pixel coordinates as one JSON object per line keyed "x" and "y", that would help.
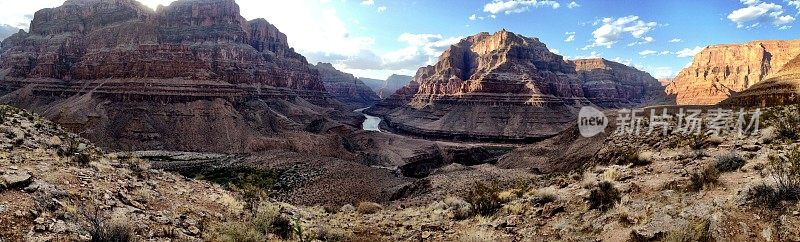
{"x": 611, "y": 84}
{"x": 193, "y": 75}
{"x": 345, "y": 87}
{"x": 721, "y": 70}
{"x": 507, "y": 87}
{"x": 782, "y": 88}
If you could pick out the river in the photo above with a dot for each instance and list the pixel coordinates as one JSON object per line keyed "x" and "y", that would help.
{"x": 372, "y": 123}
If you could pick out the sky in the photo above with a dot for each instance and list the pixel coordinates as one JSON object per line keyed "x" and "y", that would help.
{"x": 377, "y": 38}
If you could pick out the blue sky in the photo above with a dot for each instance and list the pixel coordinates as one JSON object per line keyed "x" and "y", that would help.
{"x": 377, "y": 38}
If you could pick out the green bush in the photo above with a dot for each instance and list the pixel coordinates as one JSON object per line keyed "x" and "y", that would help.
{"x": 603, "y": 196}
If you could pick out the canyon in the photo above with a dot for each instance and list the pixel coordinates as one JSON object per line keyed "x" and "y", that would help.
{"x": 720, "y": 71}
{"x": 190, "y": 123}
{"x": 193, "y": 76}
{"x": 507, "y": 87}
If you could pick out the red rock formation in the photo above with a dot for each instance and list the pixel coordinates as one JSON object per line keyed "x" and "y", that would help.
{"x": 611, "y": 84}
{"x": 781, "y": 88}
{"x": 508, "y": 87}
{"x": 346, "y": 88}
{"x": 193, "y": 75}
{"x": 720, "y": 70}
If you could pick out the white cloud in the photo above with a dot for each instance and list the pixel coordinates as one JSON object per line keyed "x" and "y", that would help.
{"x": 686, "y": 52}
{"x": 473, "y": 17}
{"x": 661, "y": 72}
{"x": 756, "y": 12}
{"x": 676, "y": 40}
{"x": 591, "y": 55}
{"x": 613, "y": 30}
{"x": 785, "y": 27}
{"x": 666, "y": 52}
{"x": 382, "y": 9}
{"x": 422, "y": 49}
{"x": 517, "y": 6}
{"x": 368, "y": 2}
{"x": 648, "y": 52}
{"x": 795, "y": 3}
{"x": 570, "y": 36}
{"x": 555, "y": 51}
{"x": 573, "y": 4}
{"x": 626, "y": 62}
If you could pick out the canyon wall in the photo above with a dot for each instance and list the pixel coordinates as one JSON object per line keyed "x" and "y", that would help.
{"x": 193, "y": 75}
{"x": 719, "y": 71}
{"x": 346, "y": 88}
{"x": 507, "y": 87}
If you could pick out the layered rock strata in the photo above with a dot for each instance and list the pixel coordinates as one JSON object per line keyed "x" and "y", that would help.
{"x": 719, "y": 71}
{"x": 345, "y": 87}
{"x": 193, "y": 75}
{"x": 507, "y": 87}
{"x": 781, "y": 88}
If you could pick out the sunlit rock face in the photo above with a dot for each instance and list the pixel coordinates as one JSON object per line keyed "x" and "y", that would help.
{"x": 505, "y": 86}
{"x": 722, "y": 70}
{"x": 781, "y": 88}
{"x": 193, "y": 75}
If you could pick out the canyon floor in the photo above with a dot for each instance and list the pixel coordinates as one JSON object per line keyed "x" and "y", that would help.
{"x": 58, "y": 187}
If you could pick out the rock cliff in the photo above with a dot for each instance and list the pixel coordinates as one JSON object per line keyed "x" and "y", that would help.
{"x": 721, "y": 70}
{"x": 345, "y": 87}
{"x": 611, "y": 84}
{"x": 508, "y": 87}
{"x": 781, "y": 88}
{"x": 193, "y": 75}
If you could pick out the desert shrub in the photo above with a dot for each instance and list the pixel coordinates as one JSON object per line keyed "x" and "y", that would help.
{"x": 729, "y": 162}
{"x": 787, "y": 174}
{"x": 612, "y": 174}
{"x": 484, "y": 198}
{"x": 707, "y": 177}
{"x": 603, "y": 196}
{"x": 303, "y": 235}
{"x": 81, "y": 159}
{"x": 332, "y": 235}
{"x": 103, "y": 230}
{"x": 509, "y": 195}
{"x": 282, "y": 227}
{"x": 763, "y": 195}
{"x": 543, "y": 196}
{"x": 255, "y": 226}
{"x": 787, "y": 182}
{"x": 693, "y": 141}
{"x": 785, "y": 121}
{"x": 460, "y": 208}
{"x": 697, "y": 230}
{"x": 237, "y": 232}
{"x": 368, "y": 207}
{"x": 625, "y": 156}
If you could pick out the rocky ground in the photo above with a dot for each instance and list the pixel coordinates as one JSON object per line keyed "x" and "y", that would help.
{"x": 58, "y": 187}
